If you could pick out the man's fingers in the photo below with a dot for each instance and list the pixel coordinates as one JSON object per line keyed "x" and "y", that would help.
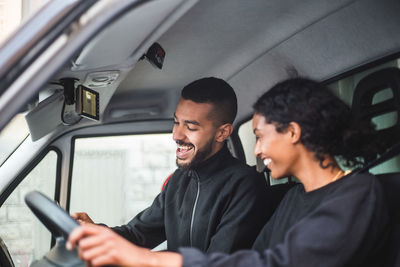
{"x": 82, "y": 217}
{"x": 94, "y": 240}
{"x": 93, "y": 252}
{"x": 99, "y": 255}
{"x": 78, "y": 217}
{"x": 99, "y": 245}
{"x": 102, "y": 260}
{"x": 73, "y": 238}
{"x": 80, "y": 232}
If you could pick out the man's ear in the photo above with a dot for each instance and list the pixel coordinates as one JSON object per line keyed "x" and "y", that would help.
{"x": 294, "y": 131}
{"x": 223, "y": 132}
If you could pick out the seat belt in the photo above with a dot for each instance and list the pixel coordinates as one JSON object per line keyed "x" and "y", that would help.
{"x": 392, "y": 152}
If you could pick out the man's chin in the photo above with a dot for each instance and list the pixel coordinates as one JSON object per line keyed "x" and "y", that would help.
{"x": 187, "y": 164}
{"x": 182, "y": 164}
{"x": 195, "y": 159}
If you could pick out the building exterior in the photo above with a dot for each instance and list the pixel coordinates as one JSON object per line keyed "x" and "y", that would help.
{"x": 14, "y": 12}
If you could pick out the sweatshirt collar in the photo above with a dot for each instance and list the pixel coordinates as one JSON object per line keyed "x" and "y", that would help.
{"x": 211, "y": 165}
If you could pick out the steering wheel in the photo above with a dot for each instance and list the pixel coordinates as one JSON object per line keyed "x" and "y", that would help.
{"x": 50, "y": 214}
{"x": 58, "y": 222}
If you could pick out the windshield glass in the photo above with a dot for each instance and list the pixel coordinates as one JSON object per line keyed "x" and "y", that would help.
{"x": 14, "y": 12}
{"x": 12, "y": 136}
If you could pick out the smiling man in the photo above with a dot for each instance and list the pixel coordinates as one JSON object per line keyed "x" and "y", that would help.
{"x": 213, "y": 201}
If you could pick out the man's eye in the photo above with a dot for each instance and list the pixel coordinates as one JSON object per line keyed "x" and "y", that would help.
{"x": 176, "y": 123}
{"x": 191, "y": 129}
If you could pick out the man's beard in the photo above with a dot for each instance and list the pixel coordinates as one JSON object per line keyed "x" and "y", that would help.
{"x": 198, "y": 158}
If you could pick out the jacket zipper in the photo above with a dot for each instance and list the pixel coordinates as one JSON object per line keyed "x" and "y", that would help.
{"x": 194, "y": 208}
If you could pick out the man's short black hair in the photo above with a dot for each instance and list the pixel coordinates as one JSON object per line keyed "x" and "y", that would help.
{"x": 216, "y": 92}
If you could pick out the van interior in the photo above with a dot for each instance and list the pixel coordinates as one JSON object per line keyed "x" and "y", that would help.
{"x": 87, "y": 102}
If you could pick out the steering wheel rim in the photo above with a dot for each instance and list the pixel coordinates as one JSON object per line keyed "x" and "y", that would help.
{"x": 56, "y": 219}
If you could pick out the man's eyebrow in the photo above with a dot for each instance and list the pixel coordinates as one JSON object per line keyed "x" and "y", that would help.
{"x": 192, "y": 122}
{"x": 188, "y": 121}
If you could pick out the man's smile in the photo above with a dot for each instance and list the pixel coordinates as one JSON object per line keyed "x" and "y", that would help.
{"x": 183, "y": 150}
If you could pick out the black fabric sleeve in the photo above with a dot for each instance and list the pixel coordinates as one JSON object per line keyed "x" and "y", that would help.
{"x": 342, "y": 231}
{"x": 263, "y": 238}
{"x": 246, "y": 213}
{"x": 147, "y": 228}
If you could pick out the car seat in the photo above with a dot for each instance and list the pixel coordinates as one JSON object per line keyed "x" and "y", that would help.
{"x": 364, "y": 107}
{"x": 391, "y": 186}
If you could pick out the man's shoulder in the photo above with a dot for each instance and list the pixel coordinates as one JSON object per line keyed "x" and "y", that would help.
{"x": 241, "y": 168}
{"x": 174, "y": 178}
{"x": 233, "y": 162}
{"x": 239, "y": 172}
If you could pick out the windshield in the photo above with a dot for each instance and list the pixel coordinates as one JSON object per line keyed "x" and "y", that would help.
{"x": 12, "y": 136}
{"x": 14, "y": 12}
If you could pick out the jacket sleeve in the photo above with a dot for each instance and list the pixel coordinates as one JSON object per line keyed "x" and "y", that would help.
{"x": 147, "y": 228}
{"x": 246, "y": 212}
{"x": 343, "y": 231}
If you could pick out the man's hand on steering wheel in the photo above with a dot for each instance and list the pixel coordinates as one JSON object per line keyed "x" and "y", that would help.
{"x": 82, "y": 218}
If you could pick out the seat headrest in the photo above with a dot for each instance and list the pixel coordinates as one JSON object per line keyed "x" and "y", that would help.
{"x": 378, "y": 94}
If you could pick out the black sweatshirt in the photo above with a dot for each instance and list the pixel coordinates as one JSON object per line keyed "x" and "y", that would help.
{"x": 344, "y": 223}
{"x": 219, "y": 206}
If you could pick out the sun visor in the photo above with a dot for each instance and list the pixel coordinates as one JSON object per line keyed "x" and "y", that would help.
{"x": 46, "y": 116}
{"x": 147, "y": 23}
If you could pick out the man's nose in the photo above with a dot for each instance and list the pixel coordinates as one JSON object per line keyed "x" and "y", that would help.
{"x": 178, "y": 133}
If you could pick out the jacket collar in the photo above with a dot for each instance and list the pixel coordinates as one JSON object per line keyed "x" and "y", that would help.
{"x": 210, "y": 166}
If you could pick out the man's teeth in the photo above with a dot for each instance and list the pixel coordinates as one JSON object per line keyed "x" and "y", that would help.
{"x": 184, "y": 147}
{"x": 267, "y": 161}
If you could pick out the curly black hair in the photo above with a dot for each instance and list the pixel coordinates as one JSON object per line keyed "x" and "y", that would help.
{"x": 326, "y": 122}
{"x": 216, "y": 92}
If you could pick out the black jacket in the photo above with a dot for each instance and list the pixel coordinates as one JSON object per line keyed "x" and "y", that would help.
{"x": 219, "y": 206}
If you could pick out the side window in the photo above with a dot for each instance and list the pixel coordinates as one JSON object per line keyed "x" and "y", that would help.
{"x": 116, "y": 177}
{"x": 25, "y": 237}
{"x": 344, "y": 89}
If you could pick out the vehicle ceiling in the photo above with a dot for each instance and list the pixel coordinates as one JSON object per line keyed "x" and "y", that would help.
{"x": 252, "y": 44}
